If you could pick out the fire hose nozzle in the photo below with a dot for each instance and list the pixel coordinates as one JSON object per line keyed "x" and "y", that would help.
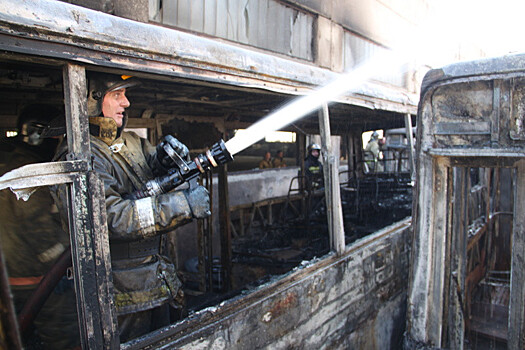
{"x": 184, "y": 171}
{"x": 217, "y": 155}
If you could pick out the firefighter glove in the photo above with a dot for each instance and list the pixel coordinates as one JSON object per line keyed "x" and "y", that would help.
{"x": 199, "y": 202}
{"x": 164, "y": 159}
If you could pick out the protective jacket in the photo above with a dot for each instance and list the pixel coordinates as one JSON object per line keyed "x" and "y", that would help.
{"x": 371, "y": 155}
{"x": 32, "y": 239}
{"x": 265, "y": 164}
{"x": 314, "y": 171}
{"x": 278, "y": 163}
{"x": 143, "y": 279}
{"x": 373, "y": 147}
{"x": 30, "y": 231}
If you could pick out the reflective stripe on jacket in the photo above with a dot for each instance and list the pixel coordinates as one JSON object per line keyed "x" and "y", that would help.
{"x": 124, "y": 166}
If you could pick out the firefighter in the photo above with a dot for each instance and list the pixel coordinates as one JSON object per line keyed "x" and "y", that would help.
{"x": 145, "y": 281}
{"x": 278, "y": 161}
{"x": 313, "y": 167}
{"x": 372, "y": 153}
{"x": 32, "y": 239}
{"x": 266, "y": 162}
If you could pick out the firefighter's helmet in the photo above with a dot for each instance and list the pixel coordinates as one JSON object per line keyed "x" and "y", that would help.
{"x": 33, "y": 120}
{"x": 314, "y": 146}
{"x": 100, "y": 84}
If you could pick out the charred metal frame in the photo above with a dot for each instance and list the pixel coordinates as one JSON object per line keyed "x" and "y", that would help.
{"x": 484, "y": 135}
{"x": 75, "y": 39}
{"x": 332, "y": 188}
{"x": 87, "y": 217}
{"x": 82, "y": 35}
{"x": 255, "y": 320}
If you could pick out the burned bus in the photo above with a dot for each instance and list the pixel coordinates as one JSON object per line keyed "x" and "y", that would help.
{"x": 258, "y": 273}
{"x": 466, "y": 280}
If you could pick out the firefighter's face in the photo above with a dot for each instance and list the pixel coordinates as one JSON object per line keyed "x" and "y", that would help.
{"x": 114, "y": 105}
{"x": 315, "y": 153}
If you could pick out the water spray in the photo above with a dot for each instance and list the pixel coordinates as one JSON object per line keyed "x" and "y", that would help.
{"x": 300, "y": 107}
{"x": 222, "y": 153}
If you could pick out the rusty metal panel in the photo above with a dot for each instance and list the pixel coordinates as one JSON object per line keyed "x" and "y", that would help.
{"x": 267, "y": 24}
{"x": 357, "y": 50}
{"x": 75, "y": 88}
{"x": 91, "y": 263}
{"x": 301, "y": 34}
{"x": 462, "y": 128}
{"x": 354, "y": 301}
{"x": 210, "y": 17}
{"x": 517, "y": 117}
{"x": 466, "y": 108}
{"x": 225, "y": 228}
{"x": 42, "y": 174}
{"x": 87, "y": 225}
{"x": 334, "y": 210}
{"x": 263, "y": 36}
{"x": 102, "y": 260}
{"x": 197, "y": 15}
{"x": 458, "y": 252}
{"x": 168, "y": 13}
{"x": 420, "y": 307}
{"x": 80, "y": 227}
{"x": 85, "y": 36}
{"x": 472, "y": 113}
{"x": 516, "y": 321}
{"x": 468, "y": 116}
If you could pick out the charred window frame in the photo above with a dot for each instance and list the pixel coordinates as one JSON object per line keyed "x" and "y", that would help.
{"x": 87, "y": 224}
{"x": 450, "y": 145}
{"x": 87, "y": 217}
{"x": 82, "y": 40}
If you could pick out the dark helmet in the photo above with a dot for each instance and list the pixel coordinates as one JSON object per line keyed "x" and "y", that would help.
{"x": 99, "y": 84}
{"x": 314, "y": 146}
{"x": 375, "y": 135}
{"x": 33, "y": 120}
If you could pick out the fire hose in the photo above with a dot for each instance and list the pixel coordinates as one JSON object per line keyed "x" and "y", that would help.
{"x": 184, "y": 171}
{"x": 34, "y": 303}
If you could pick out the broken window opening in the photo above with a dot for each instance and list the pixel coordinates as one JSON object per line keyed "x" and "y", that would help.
{"x": 479, "y": 277}
{"x": 271, "y": 236}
